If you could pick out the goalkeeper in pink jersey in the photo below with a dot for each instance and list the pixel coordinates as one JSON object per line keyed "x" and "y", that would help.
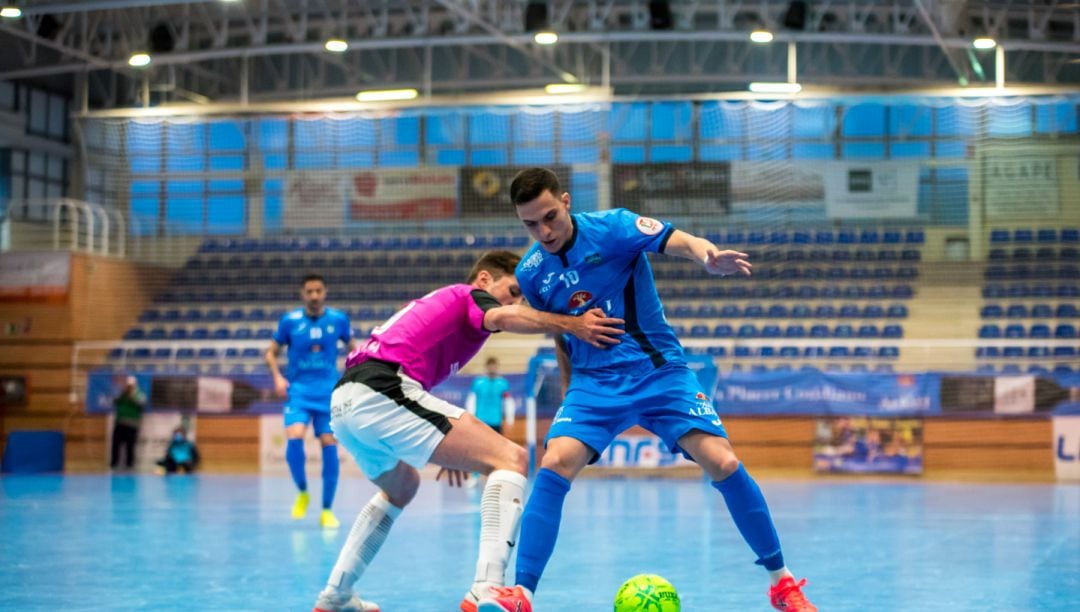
{"x": 383, "y": 413}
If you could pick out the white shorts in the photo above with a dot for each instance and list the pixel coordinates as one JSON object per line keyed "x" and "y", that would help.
{"x": 382, "y": 416}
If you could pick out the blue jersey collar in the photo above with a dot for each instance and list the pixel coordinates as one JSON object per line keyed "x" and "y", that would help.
{"x": 569, "y": 243}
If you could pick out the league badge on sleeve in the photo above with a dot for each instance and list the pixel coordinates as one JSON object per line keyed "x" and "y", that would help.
{"x": 648, "y": 226}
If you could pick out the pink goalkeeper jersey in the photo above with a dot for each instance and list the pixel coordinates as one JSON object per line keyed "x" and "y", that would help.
{"x": 433, "y": 336}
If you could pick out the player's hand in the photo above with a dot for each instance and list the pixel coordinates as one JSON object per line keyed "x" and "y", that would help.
{"x": 281, "y": 386}
{"x": 598, "y": 329}
{"x": 454, "y": 478}
{"x": 727, "y": 262}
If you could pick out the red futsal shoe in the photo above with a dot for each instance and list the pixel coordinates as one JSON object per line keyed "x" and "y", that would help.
{"x": 505, "y": 599}
{"x": 787, "y": 595}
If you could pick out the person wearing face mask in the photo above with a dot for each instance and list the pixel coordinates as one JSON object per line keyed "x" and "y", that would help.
{"x": 382, "y": 411}
{"x": 182, "y": 454}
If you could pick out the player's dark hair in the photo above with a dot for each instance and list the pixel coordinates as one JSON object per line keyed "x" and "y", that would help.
{"x": 530, "y": 183}
{"x": 497, "y": 263}
{"x": 313, "y": 277}
{"x": 491, "y": 360}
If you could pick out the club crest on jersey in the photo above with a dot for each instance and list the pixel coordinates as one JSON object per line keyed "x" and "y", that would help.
{"x": 579, "y": 299}
{"x": 648, "y": 226}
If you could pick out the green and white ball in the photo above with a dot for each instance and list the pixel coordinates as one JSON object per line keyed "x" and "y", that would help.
{"x": 647, "y": 593}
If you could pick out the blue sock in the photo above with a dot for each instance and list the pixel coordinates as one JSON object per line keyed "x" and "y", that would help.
{"x": 329, "y": 475}
{"x": 294, "y": 456}
{"x": 751, "y": 514}
{"x": 540, "y": 526}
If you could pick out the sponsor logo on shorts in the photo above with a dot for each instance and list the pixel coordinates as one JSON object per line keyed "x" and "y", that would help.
{"x": 648, "y": 226}
{"x": 579, "y": 299}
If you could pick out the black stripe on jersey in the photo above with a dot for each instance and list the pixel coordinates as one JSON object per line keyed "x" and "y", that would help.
{"x": 382, "y": 377}
{"x": 484, "y": 300}
{"x": 632, "y": 326}
{"x": 569, "y": 243}
{"x": 665, "y": 238}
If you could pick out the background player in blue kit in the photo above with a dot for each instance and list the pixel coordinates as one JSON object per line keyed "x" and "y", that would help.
{"x": 312, "y": 334}
{"x": 597, "y": 260}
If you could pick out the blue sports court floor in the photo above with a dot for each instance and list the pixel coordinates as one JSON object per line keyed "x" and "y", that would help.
{"x": 227, "y": 543}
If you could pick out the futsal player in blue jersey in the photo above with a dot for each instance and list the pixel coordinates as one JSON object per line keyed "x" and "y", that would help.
{"x": 311, "y": 334}
{"x": 597, "y": 260}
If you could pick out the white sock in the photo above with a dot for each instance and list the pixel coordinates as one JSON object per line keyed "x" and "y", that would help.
{"x": 500, "y": 515}
{"x": 366, "y": 536}
{"x": 777, "y": 575}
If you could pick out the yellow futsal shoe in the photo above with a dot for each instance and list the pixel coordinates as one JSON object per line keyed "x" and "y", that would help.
{"x": 299, "y": 509}
{"x": 328, "y": 520}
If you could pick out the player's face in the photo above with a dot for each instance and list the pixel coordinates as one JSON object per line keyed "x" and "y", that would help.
{"x": 547, "y": 218}
{"x": 314, "y": 295}
{"x": 505, "y": 290}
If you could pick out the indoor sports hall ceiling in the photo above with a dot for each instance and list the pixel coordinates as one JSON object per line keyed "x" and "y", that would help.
{"x": 262, "y": 50}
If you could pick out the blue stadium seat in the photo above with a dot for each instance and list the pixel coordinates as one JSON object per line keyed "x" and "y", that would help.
{"x": 848, "y": 311}
{"x": 242, "y": 333}
{"x": 1062, "y": 370}
{"x": 1065, "y": 331}
{"x": 767, "y": 352}
{"x": 163, "y": 353}
{"x": 149, "y": 316}
{"x": 1023, "y": 235}
{"x": 779, "y": 238}
{"x": 221, "y": 333}
{"x": 1069, "y": 254}
{"x": 915, "y": 237}
{"x": 999, "y": 236}
{"x": 868, "y": 331}
{"x": 1045, "y": 254}
{"x": 1038, "y": 352}
{"x": 891, "y": 237}
{"x": 862, "y": 352}
{"x": 789, "y": 352}
{"x": 1067, "y": 291}
{"x": 985, "y": 369}
{"x": 892, "y": 331}
{"x": 1022, "y": 254}
{"x": 801, "y": 311}
{"x": 730, "y": 311}
{"x": 1011, "y": 368}
{"x": 823, "y": 237}
{"x": 989, "y": 331}
{"x": 207, "y": 353}
{"x": 991, "y": 311}
{"x": 723, "y": 331}
{"x": 896, "y": 311}
{"x": 843, "y": 331}
{"x": 185, "y": 353}
{"x": 883, "y": 368}
{"x": 264, "y": 333}
{"x": 250, "y": 353}
{"x": 887, "y": 255}
{"x": 819, "y": 331}
{"x": 839, "y": 352}
{"x": 1038, "y": 370}
{"x": 1012, "y": 352}
{"x": 1064, "y": 351}
{"x": 200, "y": 333}
{"x": 777, "y": 311}
{"x": 900, "y": 292}
{"x": 747, "y": 331}
{"x": 682, "y": 311}
{"x": 998, "y": 255}
{"x": 135, "y": 333}
{"x": 1015, "y": 331}
{"x": 987, "y": 352}
{"x": 1070, "y": 235}
{"x": 814, "y": 352}
{"x": 845, "y": 236}
{"x": 794, "y": 331}
{"x": 743, "y": 351}
{"x": 754, "y": 311}
{"x": 1041, "y": 311}
{"x": 178, "y": 333}
{"x": 869, "y": 237}
{"x": 717, "y": 351}
{"x": 680, "y": 330}
{"x": 699, "y": 331}
{"x": 171, "y": 315}
{"x": 910, "y": 255}
{"x": 1017, "y": 311}
{"x": 771, "y": 331}
{"x": 861, "y": 368}
{"x": 1039, "y": 330}
{"x": 825, "y": 311}
{"x": 1066, "y": 311}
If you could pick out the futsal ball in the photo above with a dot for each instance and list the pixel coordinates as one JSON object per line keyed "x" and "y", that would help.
{"x": 647, "y": 593}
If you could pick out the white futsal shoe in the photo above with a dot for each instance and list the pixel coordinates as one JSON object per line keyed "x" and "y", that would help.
{"x": 333, "y": 601}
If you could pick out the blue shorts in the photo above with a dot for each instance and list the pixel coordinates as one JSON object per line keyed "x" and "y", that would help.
{"x": 668, "y": 401}
{"x": 320, "y": 418}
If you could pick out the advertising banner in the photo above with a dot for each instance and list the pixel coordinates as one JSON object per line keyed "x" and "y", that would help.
{"x": 155, "y": 434}
{"x": 640, "y": 451}
{"x": 233, "y": 394}
{"x": 871, "y": 190}
{"x": 272, "y": 450}
{"x": 1067, "y": 447}
{"x": 672, "y": 189}
{"x": 827, "y": 393}
{"x": 416, "y": 193}
{"x": 314, "y": 199}
{"x": 34, "y": 276}
{"x": 1010, "y": 179}
{"x": 485, "y": 190}
{"x": 868, "y": 445}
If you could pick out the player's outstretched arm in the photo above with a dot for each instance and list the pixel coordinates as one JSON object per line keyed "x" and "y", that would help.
{"x": 593, "y": 327}
{"x": 710, "y": 256}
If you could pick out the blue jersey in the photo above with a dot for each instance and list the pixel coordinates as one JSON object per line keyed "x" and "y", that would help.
{"x": 603, "y": 265}
{"x": 489, "y": 398}
{"x": 312, "y": 371}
